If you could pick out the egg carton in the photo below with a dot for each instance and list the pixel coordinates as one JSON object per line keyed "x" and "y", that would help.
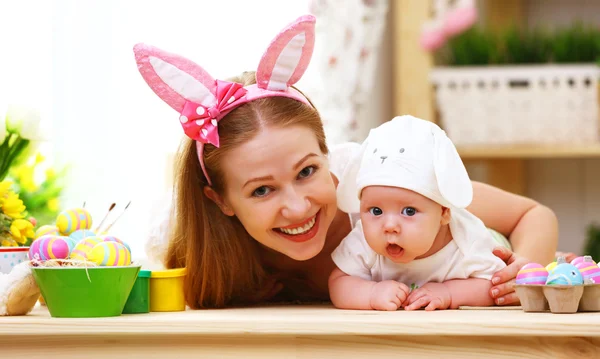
{"x": 559, "y": 298}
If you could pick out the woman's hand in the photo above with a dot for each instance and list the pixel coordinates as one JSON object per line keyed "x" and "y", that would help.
{"x": 503, "y": 281}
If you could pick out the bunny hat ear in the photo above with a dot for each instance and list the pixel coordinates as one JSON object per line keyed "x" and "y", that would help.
{"x": 452, "y": 177}
{"x": 174, "y": 78}
{"x": 347, "y": 190}
{"x": 203, "y": 101}
{"x": 288, "y": 55}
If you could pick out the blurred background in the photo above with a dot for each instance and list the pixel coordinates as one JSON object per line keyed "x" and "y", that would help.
{"x": 513, "y": 82}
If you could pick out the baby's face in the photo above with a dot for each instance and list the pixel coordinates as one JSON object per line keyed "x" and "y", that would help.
{"x": 398, "y": 223}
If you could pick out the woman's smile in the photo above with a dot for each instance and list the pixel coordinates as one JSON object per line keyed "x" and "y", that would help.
{"x": 302, "y": 231}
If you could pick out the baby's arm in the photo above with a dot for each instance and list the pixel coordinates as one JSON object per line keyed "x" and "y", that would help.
{"x": 451, "y": 294}
{"x": 349, "y": 292}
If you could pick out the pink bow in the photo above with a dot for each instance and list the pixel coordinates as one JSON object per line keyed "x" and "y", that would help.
{"x": 200, "y": 122}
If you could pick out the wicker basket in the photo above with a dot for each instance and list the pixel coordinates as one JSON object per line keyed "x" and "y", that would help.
{"x": 547, "y": 104}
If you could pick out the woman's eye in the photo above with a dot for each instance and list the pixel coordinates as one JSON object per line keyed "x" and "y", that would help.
{"x": 376, "y": 211}
{"x": 307, "y": 171}
{"x": 261, "y": 191}
{"x": 409, "y": 211}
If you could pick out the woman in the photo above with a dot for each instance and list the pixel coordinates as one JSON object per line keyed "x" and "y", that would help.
{"x": 255, "y": 216}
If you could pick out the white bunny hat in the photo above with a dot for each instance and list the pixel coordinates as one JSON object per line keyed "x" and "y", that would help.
{"x": 409, "y": 153}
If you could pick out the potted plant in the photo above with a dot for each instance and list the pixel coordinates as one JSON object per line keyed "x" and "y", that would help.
{"x": 592, "y": 242}
{"x": 18, "y": 129}
{"x": 520, "y": 87}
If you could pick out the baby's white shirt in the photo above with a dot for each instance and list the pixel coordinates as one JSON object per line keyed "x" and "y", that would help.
{"x": 468, "y": 255}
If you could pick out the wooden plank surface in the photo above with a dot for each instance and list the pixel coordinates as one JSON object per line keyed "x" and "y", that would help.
{"x": 309, "y": 347}
{"x": 310, "y": 320}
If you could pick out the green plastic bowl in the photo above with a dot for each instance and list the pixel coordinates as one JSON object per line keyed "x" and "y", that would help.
{"x": 69, "y": 293}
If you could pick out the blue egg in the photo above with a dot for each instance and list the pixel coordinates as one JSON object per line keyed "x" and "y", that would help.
{"x": 565, "y": 274}
{"x": 81, "y": 234}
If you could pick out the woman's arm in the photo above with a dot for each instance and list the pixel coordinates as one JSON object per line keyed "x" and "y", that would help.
{"x": 531, "y": 228}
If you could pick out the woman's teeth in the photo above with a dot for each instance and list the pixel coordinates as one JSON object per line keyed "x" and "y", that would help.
{"x": 300, "y": 230}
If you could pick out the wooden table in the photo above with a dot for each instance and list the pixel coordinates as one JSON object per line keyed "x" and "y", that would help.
{"x": 309, "y": 331}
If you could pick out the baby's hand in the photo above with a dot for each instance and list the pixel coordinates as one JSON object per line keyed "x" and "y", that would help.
{"x": 388, "y": 295}
{"x": 432, "y": 295}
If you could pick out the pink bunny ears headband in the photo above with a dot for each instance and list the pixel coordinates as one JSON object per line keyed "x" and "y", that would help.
{"x": 203, "y": 101}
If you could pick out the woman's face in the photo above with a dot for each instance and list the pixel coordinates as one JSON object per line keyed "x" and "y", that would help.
{"x": 279, "y": 187}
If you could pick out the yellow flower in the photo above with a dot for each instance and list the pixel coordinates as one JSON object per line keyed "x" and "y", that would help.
{"x": 21, "y": 229}
{"x": 8, "y": 243}
{"x": 4, "y": 188}
{"x": 53, "y": 204}
{"x": 39, "y": 158}
{"x": 50, "y": 174}
{"x": 13, "y": 206}
{"x": 26, "y": 177}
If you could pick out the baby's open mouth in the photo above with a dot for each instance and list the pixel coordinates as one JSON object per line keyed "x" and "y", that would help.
{"x": 394, "y": 250}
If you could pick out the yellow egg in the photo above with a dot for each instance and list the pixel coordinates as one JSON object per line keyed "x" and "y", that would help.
{"x": 45, "y": 230}
{"x": 110, "y": 254}
{"x": 84, "y": 247}
{"x": 550, "y": 267}
{"x": 73, "y": 219}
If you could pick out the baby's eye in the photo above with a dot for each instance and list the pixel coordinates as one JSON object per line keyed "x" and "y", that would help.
{"x": 261, "y": 191}
{"x": 376, "y": 211}
{"x": 307, "y": 171}
{"x": 409, "y": 211}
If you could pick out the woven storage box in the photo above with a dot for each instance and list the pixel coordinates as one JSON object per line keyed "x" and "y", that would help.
{"x": 547, "y": 104}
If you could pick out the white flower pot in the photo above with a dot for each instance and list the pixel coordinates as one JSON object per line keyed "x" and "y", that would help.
{"x": 11, "y": 256}
{"x": 537, "y": 104}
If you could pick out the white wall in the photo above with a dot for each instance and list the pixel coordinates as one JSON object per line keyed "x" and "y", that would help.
{"x": 74, "y": 60}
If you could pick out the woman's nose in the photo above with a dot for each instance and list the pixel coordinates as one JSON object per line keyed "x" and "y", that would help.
{"x": 295, "y": 205}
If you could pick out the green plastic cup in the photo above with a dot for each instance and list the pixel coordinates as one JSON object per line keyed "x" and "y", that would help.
{"x": 69, "y": 293}
{"x": 139, "y": 298}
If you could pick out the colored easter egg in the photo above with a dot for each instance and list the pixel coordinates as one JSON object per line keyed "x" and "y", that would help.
{"x": 46, "y": 230}
{"x": 71, "y": 242}
{"x": 110, "y": 254}
{"x": 80, "y": 234}
{"x": 84, "y": 247}
{"x": 54, "y": 247}
{"x": 565, "y": 274}
{"x": 115, "y": 239}
{"x": 34, "y": 248}
{"x": 551, "y": 266}
{"x": 578, "y": 260}
{"x": 532, "y": 273}
{"x": 589, "y": 270}
{"x": 73, "y": 219}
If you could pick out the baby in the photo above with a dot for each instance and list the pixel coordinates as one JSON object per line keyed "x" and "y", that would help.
{"x": 411, "y": 189}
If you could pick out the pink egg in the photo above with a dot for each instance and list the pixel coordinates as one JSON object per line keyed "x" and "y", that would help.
{"x": 532, "y": 273}
{"x": 589, "y": 270}
{"x": 34, "y": 248}
{"x": 578, "y": 260}
{"x": 54, "y": 247}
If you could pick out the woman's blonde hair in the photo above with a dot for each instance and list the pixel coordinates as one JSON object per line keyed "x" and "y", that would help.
{"x": 222, "y": 262}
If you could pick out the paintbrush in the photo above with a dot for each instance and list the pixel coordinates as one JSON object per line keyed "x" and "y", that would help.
{"x": 105, "y": 217}
{"x": 110, "y": 225}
